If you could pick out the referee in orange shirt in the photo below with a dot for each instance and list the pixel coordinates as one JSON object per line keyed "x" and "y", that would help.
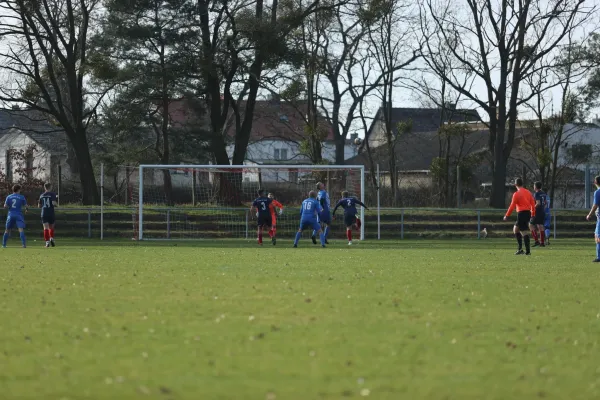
{"x": 523, "y": 201}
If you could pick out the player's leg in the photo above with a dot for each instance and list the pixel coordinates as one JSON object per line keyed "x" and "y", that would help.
{"x": 10, "y": 223}
{"x": 519, "y": 238}
{"x": 597, "y": 237}
{"x": 46, "y": 226}
{"x": 298, "y": 234}
{"x": 540, "y": 229}
{"x": 52, "y": 224}
{"x": 21, "y": 227}
{"x": 524, "y": 219}
{"x": 533, "y": 230}
{"x": 349, "y": 221}
{"x": 320, "y": 232}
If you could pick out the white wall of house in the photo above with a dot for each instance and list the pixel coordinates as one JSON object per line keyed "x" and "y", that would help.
{"x": 270, "y": 151}
{"x": 40, "y": 161}
{"x": 574, "y": 135}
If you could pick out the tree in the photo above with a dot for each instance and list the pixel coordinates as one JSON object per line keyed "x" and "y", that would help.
{"x": 498, "y": 44}
{"x": 47, "y": 62}
{"x": 144, "y": 50}
{"x": 394, "y": 50}
{"x": 547, "y": 132}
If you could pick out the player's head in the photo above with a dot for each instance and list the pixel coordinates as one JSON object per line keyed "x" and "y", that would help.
{"x": 537, "y": 186}
{"x": 597, "y": 181}
{"x": 271, "y": 196}
{"x": 519, "y": 182}
{"x": 47, "y": 186}
{"x": 16, "y": 188}
{"x": 261, "y": 192}
{"x": 320, "y": 186}
{"x": 312, "y": 194}
{"x": 345, "y": 194}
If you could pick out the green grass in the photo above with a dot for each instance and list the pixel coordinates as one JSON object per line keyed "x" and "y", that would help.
{"x": 227, "y": 320}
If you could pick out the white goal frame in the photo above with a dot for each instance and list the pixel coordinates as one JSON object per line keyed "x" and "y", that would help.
{"x": 361, "y": 168}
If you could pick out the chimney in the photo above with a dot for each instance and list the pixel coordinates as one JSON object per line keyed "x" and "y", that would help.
{"x": 353, "y": 136}
{"x": 15, "y": 107}
{"x": 275, "y": 98}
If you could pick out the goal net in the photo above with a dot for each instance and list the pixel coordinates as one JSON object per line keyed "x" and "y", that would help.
{"x": 213, "y": 201}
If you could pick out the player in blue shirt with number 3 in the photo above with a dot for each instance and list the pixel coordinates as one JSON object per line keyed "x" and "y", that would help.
{"x": 15, "y": 204}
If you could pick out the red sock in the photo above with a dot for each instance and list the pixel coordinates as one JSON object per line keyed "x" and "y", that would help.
{"x": 270, "y": 233}
{"x": 542, "y": 236}
{"x": 260, "y": 237}
{"x": 274, "y": 231}
{"x": 51, "y": 231}
{"x": 46, "y": 234}
{"x": 349, "y": 235}
{"x": 535, "y": 235}
{"x": 358, "y": 223}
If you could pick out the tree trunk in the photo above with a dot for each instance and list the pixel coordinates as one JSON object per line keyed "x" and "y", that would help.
{"x": 90, "y": 195}
{"x": 498, "y": 195}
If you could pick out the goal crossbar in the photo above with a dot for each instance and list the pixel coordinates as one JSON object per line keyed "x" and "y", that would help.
{"x": 143, "y": 167}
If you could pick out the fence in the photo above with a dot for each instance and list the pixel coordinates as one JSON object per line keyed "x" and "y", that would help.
{"x": 389, "y": 224}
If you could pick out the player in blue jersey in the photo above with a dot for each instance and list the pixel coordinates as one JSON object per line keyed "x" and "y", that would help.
{"x": 596, "y": 210}
{"x": 349, "y": 205}
{"x": 536, "y": 225}
{"x": 324, "y": 216}
{"x": 547, "y": 219}
{"x": 15, "y": 203}
{"x": 309, "y": 217}
{"x": 47, "y": 203}
{"x": 263, "y": 213}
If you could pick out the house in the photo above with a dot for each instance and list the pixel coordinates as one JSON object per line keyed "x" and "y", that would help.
{"x": 423, "y": 120}
{"x": 31, "y": 148}
{"x": 278, "y": 129}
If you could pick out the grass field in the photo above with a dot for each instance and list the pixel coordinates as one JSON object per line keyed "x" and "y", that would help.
{"x": 227, "y": 320}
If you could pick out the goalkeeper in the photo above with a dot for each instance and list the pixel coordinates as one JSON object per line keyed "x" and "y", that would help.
{"x": 272, "y": 206}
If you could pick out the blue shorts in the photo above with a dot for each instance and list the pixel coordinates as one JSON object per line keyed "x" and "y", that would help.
{"x": 15, "y": 221}
{"x": 48, "y": 218}
{"x": 324, "y": 217}
{"x": 310, "y": 224}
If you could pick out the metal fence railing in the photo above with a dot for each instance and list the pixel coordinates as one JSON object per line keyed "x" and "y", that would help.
{"x": 223, "y": 222}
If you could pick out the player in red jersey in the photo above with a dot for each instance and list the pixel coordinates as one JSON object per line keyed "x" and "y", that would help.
{"x": 272, "y": 206}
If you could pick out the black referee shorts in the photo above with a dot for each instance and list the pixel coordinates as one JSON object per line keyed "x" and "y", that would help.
{"x": 523, "y": 219}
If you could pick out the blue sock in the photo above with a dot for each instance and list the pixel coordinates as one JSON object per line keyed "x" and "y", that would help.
{"x": 5, "y": 239}
{"x": 322, "y": 236}
{"x": 314, "y": 233}
{"x": 22, "y": 235}
{"x": 298, "y": 235}
{"x": 326, "y": 233}
{"x": 598, "y": 251}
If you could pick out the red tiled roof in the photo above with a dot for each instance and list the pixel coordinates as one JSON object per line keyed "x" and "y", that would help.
{"x": 273, "y": 120}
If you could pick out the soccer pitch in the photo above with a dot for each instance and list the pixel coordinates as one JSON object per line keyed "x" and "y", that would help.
{"x": 460, "y": 319}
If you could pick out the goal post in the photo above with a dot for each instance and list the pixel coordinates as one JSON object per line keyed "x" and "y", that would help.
{"x": 208, "y": 201}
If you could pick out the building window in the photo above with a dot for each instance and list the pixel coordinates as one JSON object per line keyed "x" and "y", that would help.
{"x": 281, "y": 154}
{"x": 9, "y": 166}
{"x": 283, "y": 118}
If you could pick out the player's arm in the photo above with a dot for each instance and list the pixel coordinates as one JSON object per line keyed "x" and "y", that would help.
{"x": 338, "y": 204}
{"x": 278, "y": 205}
{"x": 533, "y": 203}
{"x": 361, "y": 203}
{"x": 594, "y": 207}
{"x": 513, "y": 205}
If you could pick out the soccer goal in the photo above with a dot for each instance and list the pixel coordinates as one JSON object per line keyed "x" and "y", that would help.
{"x": 213, "y": 201}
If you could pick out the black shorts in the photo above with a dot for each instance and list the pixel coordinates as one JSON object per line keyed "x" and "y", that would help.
{"x": 349, "y": 220}
{"x": 523, "y": 219}
{"x": 539, "y": 218}
{"x": 48, "y": 219}
{"x": 265, "y": 220}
